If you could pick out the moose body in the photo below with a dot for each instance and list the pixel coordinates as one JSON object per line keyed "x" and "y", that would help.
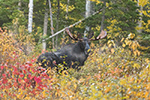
{"x": 72, "y": 55}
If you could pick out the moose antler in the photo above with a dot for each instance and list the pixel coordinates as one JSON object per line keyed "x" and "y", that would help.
{"x": 102, "y": 35}
{"x": 70, "y": 35}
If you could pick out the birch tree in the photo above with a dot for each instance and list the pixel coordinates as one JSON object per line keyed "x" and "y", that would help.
{"x": 45, "y": 27}
{"x": 19, "y": 5}
{"x": 57, "y": 21}
{"x": 30, "y": 19}
{"x": 87, "y": 14}
{"x": 140, "y": 21}
{"x": 30, "y": 16}
{"x": 52, "y": 28}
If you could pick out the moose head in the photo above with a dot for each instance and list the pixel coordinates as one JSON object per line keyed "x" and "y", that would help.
{"x": 84, "y": 43}
{"x": 73, "y": 55}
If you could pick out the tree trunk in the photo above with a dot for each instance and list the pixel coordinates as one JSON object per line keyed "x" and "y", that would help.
{"x": 103, "y": 15}
{"x": 29, "y": 24}
{"x": 19, "y": 5}
{"x": 66, "y": 16}
{"x": 67, "y": 8}
{"x": 45, "y": 28}
{"x": 140, "y": 21}
{"x": 87, "y": 14}
{"x": 30, "y": 16}
{"x": 52, "y": 28}
{"x": 57, "y": 22}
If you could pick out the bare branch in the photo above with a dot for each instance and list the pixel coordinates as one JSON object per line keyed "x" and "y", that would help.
{"x": 73, "y": 25}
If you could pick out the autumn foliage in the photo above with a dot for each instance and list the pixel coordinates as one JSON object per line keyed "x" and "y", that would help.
{"x": 111, "y": 72}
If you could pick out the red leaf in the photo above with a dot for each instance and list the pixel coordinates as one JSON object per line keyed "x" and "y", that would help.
{"x": 4, "y": 75}
{"x": 19, "y": 80}
{"x": 4, "y": 81}
{"x": 31, "y": 77}
{"x": 28, "y": 68}
{"x": 37, "y": 79}
{"x": 21, "y": 75}
{"x": 33, "y": 71}
{"x": 24, "y": 71}
{"x": 33, "y": 91}
{"x": 15, "y": 72}
{"x": 2, "y": 95}
{"x": 44, "y": 75}
{"x": 9, "y": 75}
{"x": 26, "y": 80}
{"x": 9, "y": 94}
{"x": 17, "y": 63}
{"x": 22, "y": 86}
{"x": 15, "y": 69}
{"x": 2, "y": 67}
{"x": 33, "y": 60}
{"x": 15, "y": 84}
{"x": 30, "y": 64}
{"x": 14, "y": 95}
{"x": 40, "y": 88}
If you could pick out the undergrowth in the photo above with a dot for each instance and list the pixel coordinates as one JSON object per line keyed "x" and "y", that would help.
{"x": 109, "y": 73}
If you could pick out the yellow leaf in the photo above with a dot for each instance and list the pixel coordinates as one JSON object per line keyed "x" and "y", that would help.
{"x": 112, "y": 50}
{"x": 75, "y": 86}
{"x": 107, "y": 90}
{"x": 27, "y": 98}
{"x": 143, "y": 2}
{"x": 122, "y": 39}
{"x": 44, "y": 93}
{"x": 92, "y": 45}
{"x": 146, "y": 94}
{"x": 138, "y": 52}
{"x": 123, "y": 45}
{"x": 148, "y": 21}
{"x": 136, "y": 65}
{"x": 131, "y": 36}
{"x": 107, "y": 4}
{"x": 123, "y": 82}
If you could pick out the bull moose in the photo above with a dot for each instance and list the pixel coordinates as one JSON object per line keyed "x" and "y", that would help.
{"x": 71, "y": 55}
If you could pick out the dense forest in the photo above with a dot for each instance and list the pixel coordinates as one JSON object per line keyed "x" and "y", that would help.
{"x": 118, "y": 66}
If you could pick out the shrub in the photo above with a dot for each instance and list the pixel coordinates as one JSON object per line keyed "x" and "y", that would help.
{"x": 109, "y": 73}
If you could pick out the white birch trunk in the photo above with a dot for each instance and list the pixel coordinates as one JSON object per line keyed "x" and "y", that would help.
{"x": 45, "y": 28}
{"x": 30, "y": 16}
{"x": 140, "y": 21}
{"x": 52, "y": 28}
{"x": 87, "y": 14}
{"x": 19, "y": 5}
{"x": 29, "y": 24}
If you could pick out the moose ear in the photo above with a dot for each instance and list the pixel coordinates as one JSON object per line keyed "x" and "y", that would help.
{"x": 102, "y": 35}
